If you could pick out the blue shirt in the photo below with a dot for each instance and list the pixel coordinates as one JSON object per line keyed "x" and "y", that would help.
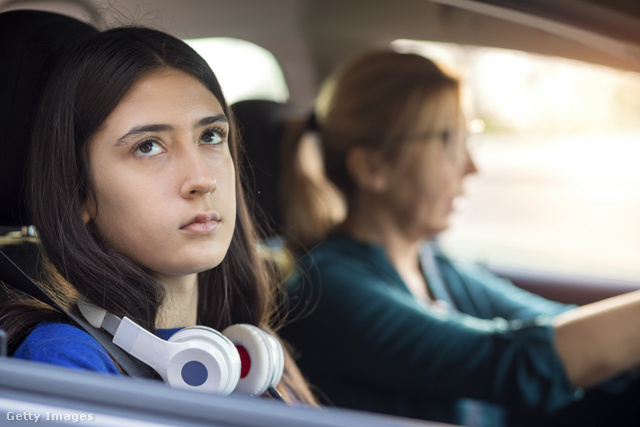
{"x": 67, "y": 345}
{"x": 368, "y": 343}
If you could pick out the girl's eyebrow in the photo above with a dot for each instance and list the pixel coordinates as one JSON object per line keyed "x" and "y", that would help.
{"x": 212, "y": 119}
{"x": 218, "y": 118}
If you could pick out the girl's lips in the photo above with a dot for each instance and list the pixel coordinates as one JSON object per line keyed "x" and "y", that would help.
{"x": 202, "y": 223}
{"x": 201, "y": 227}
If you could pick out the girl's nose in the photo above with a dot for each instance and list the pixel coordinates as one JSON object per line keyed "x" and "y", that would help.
{"x": 198, "y": 176}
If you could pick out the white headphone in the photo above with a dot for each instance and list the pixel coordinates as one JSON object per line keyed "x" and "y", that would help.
{"x": 242, "y": 359}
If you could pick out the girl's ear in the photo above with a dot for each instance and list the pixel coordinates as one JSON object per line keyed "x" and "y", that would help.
{"x": 88, "y": 209}
{"x": 86, "y": 217}
{"x": 368, "y": 169}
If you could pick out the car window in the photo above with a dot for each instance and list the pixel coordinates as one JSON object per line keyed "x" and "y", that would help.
{"x": 244, "y": 69}
{"x": 558, "y": 183}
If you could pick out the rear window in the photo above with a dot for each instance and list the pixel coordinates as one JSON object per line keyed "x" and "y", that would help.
{"x": 244, "y": 69}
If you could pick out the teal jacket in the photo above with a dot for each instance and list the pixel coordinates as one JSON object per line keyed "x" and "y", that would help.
{"x": 365, "y": 342}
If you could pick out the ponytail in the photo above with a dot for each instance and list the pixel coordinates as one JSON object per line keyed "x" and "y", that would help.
{"x": 313, "y": 205}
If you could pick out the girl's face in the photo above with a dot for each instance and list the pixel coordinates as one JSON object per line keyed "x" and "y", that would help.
{"x": 426, "y": 178}
{"x": 163, "y": 178}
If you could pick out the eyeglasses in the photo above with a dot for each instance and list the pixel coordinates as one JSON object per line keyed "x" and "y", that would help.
{"x": 457, "y": 141}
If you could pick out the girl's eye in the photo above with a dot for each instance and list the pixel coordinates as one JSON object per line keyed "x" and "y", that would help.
{"x": 212, "y": 137}
{"x": 148, "y": 147}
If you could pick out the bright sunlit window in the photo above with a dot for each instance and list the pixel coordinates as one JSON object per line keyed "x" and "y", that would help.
{"x": 244, "y": 70}
{"x": 559, "y": 182}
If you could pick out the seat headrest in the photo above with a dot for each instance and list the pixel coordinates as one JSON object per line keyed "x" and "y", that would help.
{"x": 262, "y": 125}
{"x": 31, "y": 42}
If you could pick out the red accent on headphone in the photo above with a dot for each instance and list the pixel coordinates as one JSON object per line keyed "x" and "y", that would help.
{"x": 245, "y": 361}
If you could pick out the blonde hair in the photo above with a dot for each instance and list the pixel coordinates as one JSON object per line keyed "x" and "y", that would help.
{"x": 380, "y": 101}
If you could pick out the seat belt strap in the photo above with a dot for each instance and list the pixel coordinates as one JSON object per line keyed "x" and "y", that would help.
{"x": 13, "y": 276}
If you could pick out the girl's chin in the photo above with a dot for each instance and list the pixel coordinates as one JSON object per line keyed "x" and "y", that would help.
{"x": 187, "y": 269}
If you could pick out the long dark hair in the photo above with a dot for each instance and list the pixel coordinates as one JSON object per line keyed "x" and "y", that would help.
{"x": 85, "y": 91}
{"x": 79, "y": 98}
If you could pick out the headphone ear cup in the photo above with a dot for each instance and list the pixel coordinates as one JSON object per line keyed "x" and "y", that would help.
{"x": 262, "y": 358}
{"x": 278, "y": 354}
{"x": 208, "y": 362}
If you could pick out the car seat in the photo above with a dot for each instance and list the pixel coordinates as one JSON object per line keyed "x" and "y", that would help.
{"x": 31, "y": 42}
{"x": 262, "y": 126}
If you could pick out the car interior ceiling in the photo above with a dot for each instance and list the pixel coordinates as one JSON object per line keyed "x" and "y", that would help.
{"x": 311, "y": 37}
